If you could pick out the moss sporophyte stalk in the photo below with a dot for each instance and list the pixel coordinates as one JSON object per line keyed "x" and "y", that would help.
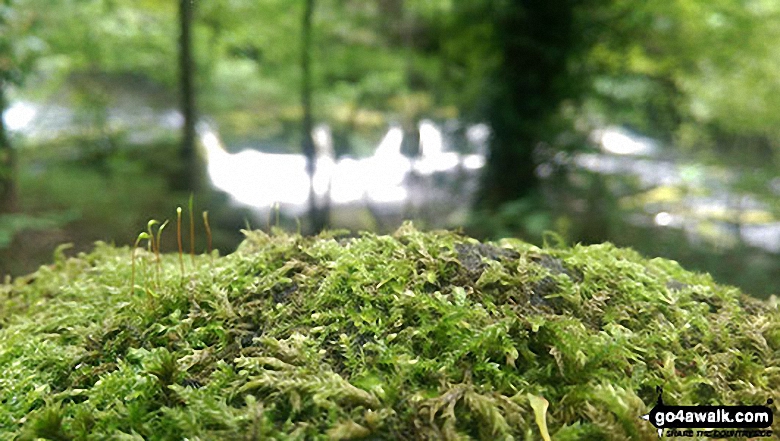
{"x": 416, "y": 335}
{"x": 178, "y": 236}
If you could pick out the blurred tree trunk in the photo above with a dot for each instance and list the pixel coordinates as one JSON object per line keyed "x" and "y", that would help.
{"x": 317, "y": 215}
{"x": 7, "y": 161}
{"x": 190, "y": 176}
{"x": 535, "y": 39}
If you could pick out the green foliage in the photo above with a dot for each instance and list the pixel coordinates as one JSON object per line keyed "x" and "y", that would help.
{"x": 102, "y": 36}
{"x": 414, "y": 335}
{"x": 16, "y": 223}
{"x": 19, "y": 45}
{"x": 527, "y": 217}
{"x": 696, "y": 73}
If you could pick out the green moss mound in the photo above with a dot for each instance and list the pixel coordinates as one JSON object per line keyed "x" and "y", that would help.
{"x": 411, "y": 336}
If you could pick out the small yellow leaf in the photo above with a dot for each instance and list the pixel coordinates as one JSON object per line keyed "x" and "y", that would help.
{"x": 539, "y": 405}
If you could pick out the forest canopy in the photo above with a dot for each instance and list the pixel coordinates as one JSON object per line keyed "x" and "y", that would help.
{"x": 696, "y": 72}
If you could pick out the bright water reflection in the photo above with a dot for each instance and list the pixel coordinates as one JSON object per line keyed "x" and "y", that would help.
{"x": 700, "y": 200}
{"x": 262, "y": 180}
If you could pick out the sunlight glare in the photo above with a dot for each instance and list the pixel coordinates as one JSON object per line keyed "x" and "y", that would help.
{"x": 620, "y": 142}
{"x": 663, "y": 219}
{"x": 19, "y": 116}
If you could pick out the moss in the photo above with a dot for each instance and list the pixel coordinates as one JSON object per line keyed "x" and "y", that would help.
{"x": 411, "y": 336}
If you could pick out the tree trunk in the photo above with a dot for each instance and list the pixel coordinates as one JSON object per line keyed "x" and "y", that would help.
{"x": 317, "y": 216}
{"x": 190, "y": 177}
{"x": 7, "y": 162}
{"x": 536, "y": 40}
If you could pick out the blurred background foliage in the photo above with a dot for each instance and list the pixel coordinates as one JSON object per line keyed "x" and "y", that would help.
{"x": 90, "y": 144}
